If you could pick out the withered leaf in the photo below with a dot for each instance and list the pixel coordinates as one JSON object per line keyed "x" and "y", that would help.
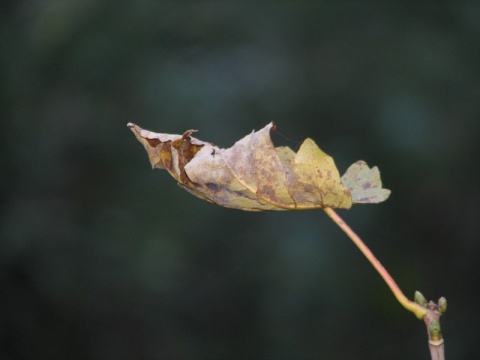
{"x": 252, "y": 174}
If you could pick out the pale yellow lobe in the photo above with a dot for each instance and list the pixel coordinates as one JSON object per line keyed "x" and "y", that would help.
{"x": 365, "y": 184}
{"x": 317, "y": 179}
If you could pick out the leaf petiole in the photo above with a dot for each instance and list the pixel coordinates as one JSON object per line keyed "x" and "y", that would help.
{"x": 412, "y": 306}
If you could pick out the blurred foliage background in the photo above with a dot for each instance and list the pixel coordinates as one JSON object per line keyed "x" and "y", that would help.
{"x": 103, "y": 258}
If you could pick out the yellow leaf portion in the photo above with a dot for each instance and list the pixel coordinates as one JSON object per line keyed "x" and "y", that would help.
{"x": 316, "y": 181}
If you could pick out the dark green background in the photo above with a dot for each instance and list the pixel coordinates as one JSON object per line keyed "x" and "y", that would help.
{"x": 103, "y": 258}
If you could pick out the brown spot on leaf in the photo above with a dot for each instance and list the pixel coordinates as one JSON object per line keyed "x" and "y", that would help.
{"x": 153, "y": 142}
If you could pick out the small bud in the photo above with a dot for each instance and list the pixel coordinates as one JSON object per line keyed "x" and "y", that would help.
{"x": 435, "y": 331}
{"x": 420, "y": 299}
{"x": 442, "y": 305}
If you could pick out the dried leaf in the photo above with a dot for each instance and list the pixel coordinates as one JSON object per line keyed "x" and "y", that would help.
{"x": 365, "y": 184}
{"x": 252, "y": 174}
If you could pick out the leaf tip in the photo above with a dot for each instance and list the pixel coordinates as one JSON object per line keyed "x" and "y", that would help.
{"x": 134, "y": 128}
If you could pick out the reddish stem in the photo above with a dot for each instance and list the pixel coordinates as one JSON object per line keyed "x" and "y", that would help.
{"x": 417, "y": 309}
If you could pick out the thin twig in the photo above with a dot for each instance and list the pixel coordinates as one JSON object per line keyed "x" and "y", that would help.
{"x": 435, "y": 339}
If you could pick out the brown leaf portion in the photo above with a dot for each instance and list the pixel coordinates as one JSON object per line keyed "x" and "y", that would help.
{"x": 170, "y": 152}
{"x": 252, "y": 174}
{"x": 247, "y": 176}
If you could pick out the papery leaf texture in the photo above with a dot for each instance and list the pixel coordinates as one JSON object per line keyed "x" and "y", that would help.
{"x": 365, "y": 184}
{"x": 255, "y": 175}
